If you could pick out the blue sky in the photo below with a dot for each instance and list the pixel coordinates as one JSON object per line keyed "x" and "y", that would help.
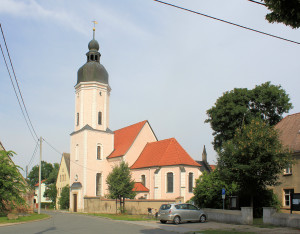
{"x": 165, "y": 65}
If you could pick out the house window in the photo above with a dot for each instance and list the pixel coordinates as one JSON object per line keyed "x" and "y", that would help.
{"x": 99, "y": 117}
{"x": 169, "y": 182}
{"x": 98, "y": 184}
{"x": 191, "y": 182}
{"x": 288, "y": 170}
{"x": 99, "y": 152}
{"x": 143, "y": 179}
{"x": 287, "y": 196}
{"x": 77, "y": 121}
{"x": 77, "y": 153}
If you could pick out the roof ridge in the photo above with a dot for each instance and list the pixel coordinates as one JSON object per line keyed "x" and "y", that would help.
{"x": 131, "y": 125}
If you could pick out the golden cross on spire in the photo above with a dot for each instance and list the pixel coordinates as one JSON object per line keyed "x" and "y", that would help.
{"x": 94, "y": 22}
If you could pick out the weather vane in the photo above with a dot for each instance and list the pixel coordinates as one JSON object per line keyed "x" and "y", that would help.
{"x": 94, "y": 22}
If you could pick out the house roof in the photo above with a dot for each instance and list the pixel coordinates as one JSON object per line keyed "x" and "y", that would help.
{"x": 289, "y": 131}
{"x": 139, "y": 187}
{"x": 213, "y": 167}
{"x": 67, "y": 160}
{"x": 124, "y": 138}
{"x": 163, "y": 153}
{"x": 37, "y": 184}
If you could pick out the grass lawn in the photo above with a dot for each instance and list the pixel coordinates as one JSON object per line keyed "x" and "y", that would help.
{"x": 124, "y": 217}
{"x": 31, "y": 217}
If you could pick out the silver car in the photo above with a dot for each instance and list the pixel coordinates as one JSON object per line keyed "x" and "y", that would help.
{"x": 180, "y": 212}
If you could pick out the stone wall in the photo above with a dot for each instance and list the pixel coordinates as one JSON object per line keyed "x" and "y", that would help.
{"x": 98, "y": 205}
{"x": 270, "y": 216}
{"x": 243, "y": 216}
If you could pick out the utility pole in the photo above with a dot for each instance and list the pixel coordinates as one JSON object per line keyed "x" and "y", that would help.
{"x": 40, "y": 175}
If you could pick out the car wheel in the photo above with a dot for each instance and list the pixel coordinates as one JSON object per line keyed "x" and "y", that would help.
{"x": 176, "y": 220}
{"x": 202, "y": 218}
{"x": 163, "y": 221}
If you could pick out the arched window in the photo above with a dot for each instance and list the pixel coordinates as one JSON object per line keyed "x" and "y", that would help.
{"x": 92, "y": 57}
{"x": 77, "y": 120}
{"x": 191, "y": 177}
{"x": 170, "y": 182}
{"x": 99, "y": 117}
{"x": 98, "y": 184}
{"x": 143, "y": 179}
{"x": 77, "y": 152}
{"x": 96, "y": 57}
{"x": 99, "y": 152}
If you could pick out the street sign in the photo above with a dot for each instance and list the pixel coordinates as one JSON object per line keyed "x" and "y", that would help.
{"x": 223, "y": 191}
{"x": 223, "y": 196}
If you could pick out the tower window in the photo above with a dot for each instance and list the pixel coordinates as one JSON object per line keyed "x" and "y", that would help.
{"x": 169, "y": 182}
{"x": 99, "y": 152}
{"x": 99, "y": 117}
{"x": 96, "y": 57}
{"x": 92, "y": 57}
{"x": 77, "y": 121}
{"x": 98, "y": 184}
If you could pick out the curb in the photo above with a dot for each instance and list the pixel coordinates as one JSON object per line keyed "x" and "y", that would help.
{"x": 30, "y": 221}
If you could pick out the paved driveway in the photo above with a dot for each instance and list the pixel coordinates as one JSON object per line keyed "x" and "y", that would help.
{"x": 74, "y": 223}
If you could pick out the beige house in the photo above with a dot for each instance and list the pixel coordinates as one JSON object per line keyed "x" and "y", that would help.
{"x": 289, "y": 130}
{"x": 63, "y": 176}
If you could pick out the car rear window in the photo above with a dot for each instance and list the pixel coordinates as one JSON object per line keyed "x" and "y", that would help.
{"x": 165, "y": 207}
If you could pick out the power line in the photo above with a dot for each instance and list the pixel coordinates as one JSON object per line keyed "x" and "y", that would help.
{"x": 257, "y": 2}
{"x": 224, "y": 21}
{"x": 16, "y": 93}
{"x": 52, "y": 147}
{"x": 19, "y": 90}
{"x": 34, "y": 153}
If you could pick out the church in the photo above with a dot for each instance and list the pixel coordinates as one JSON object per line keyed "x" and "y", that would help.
{"x": 162, "y": 169}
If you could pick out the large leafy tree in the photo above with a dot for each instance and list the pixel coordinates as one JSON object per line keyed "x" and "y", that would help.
{"x": 253, "y": 158}
{"x": 64, "y": 199}
{"x": 51, "y": 191}
{"x": 284, "y": 11}
{"x": 33, "y": 175}
{"x": 240, "y": 106}
{"x": 120, "y": 184}
{"x": 207, "y": 192}
{"x": 12, "y": 184}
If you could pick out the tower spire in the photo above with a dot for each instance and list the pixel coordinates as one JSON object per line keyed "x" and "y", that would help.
{"x": 94, "y": 22}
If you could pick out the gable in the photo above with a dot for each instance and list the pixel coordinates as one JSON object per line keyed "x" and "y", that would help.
{"x": 164, "y": 153}
{"x": 124, "y": 138}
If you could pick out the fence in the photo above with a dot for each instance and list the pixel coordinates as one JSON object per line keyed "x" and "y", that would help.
{"x": 270, "y": 216}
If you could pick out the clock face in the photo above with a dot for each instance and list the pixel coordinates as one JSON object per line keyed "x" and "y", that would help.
{"x": 76, "y": 177}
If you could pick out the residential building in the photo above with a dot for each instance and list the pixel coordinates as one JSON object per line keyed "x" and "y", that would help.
{"x": 162, "y": 169}
{"x": 289, "y": 132}
{"x": 44, "y": 200}
{"x": 63, "y": 176}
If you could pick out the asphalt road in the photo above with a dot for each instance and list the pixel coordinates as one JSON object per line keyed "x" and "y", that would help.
{"x": 73, "y": 223}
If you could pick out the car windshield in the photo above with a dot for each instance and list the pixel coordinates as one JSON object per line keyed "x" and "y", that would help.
{"x": 165, "y": 207}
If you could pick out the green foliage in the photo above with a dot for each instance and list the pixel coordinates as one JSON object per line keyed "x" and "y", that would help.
{"x": 51, "y": 179}
{"x": 240, "y": 106}
{"x": 254, "y": 158}
{"x": 33, "y": 176}
{"x": 207, "y": 193}
{"x": 51, "y": 193}
{"x": 64, "y": 199}
{"x": 284, "y": 11}
{"x": 12, "y": 184}
{"x": 120, "y": 184}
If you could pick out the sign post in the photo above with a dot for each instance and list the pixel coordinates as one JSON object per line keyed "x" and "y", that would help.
{"x": 223, "y": 197}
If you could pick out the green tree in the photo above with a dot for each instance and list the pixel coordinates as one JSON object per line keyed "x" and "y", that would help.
{"x": 12, "y": 184}
{"x": 33, "y": 175}
{"x": 253, "y": 159}
{"x": 120, "y": 184}
{"x": 207, "y": 192}
{"x": 284, "y": 11}
{"x": 64, "y": 199}
{"x": 240, "y": 106}
{"x": 51, "y": 191}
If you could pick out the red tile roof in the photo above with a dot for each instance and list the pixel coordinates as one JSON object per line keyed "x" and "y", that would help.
{"x": 213, "y": 167}
{"x": 163, "y": 153}
{"x": 139, "y": 187}
{"x": 289, "y": 131}
{"x": 38, "y": 183}
{"x": 124, "y": 138}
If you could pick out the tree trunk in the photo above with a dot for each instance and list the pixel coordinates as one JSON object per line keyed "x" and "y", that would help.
{"x": 120, "y": 204}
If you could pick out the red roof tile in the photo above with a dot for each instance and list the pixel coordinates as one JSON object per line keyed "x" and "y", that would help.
{"x": 139, "y": 187}
{"x": 124, "y": 138}
{"x": 289, "y": 131}
{"x": 38, "y": 183}
{"x": 163, "y": 153}
{"x": 213, "y": 167}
